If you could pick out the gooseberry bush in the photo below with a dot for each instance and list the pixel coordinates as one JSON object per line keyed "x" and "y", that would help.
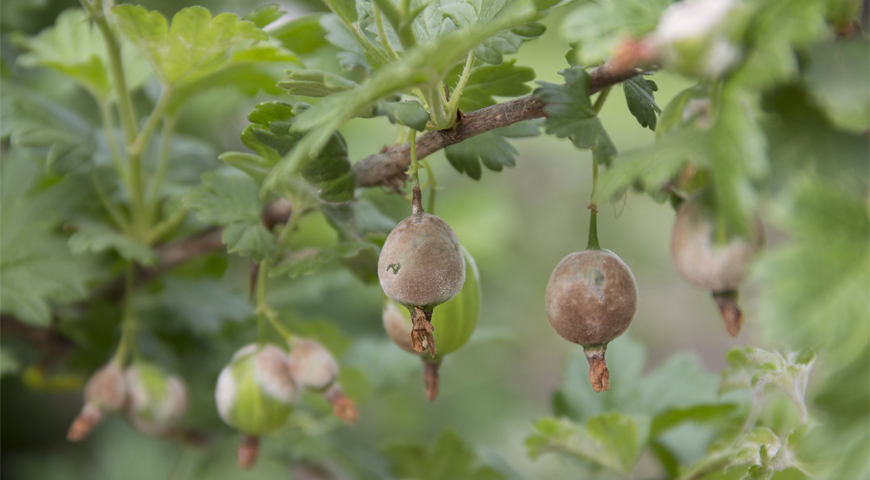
{"x": 275, "y": 300}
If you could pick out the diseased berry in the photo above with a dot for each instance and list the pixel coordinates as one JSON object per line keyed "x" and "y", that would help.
{"x": 591, "y": 299}
{"x": 314, "y": 368}
{"x": 421, "y": 266}
{"x": 716, "y": 266}
{"x": 156, "y": 401}
{"x": 105, "y": 393}
{"x": 455, "y": 323}
{"x": 255, "y": 394}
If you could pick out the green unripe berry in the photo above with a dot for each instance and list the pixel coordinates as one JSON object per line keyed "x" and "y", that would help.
{"x": 456, "y": 319}
{"x": 156, "y": 400}
{"x": 255, "y": 392}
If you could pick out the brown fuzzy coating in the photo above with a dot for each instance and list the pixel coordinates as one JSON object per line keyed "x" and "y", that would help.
{"x": 107, "y": 389}
{"x": 702, "y": 261}
{"x": 311, "y": 365}
{"x": 591, "y": 298}
{"x": 421, "y": 263}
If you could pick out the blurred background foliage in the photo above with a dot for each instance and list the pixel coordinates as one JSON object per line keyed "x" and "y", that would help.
{"x": 809, "y": 290}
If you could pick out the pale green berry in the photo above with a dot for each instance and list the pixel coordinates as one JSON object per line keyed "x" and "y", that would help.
{"x": 255, "y": 393}
{"x": 156, "y": 400}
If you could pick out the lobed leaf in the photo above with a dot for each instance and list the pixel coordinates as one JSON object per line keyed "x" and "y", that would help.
{"x": 233, "y": 202}
{"x": 641, "y": 102}
{"x": 570, "y": 114}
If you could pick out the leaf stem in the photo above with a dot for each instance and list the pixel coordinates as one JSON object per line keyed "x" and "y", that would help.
{"x": 115, "y": 212}
{"x": 593, "y": 209}
{"x": 367, "y": 44}
{"x": 413, "y": 171}
{"x": 382, "y": 32}
{"x": 116, "y": 67}
{"x": 602, "y": 97}
{"x": 264, "y": 312}
{"x": 433, "y": 187}
{"x": 162, "y": 164}
{"x": 112, "y": 141}
{"x": 437, "y": 107}
{"x": 453, "y": 104}
{"x": 128, "y": 324}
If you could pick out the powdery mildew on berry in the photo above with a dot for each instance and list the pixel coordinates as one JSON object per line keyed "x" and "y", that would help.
{"x": 421, "y": 263}
{"x": 225, "y": 394}
{"x": 273, "y": 374}
{"x": 702, "y": 261}
{"x": 311, "y": 365}
{"x": 591, "y": 298}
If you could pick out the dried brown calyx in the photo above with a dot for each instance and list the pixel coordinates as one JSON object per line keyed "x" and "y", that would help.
{"x": 248, "y": 451}
{"x": 421, "y": 331}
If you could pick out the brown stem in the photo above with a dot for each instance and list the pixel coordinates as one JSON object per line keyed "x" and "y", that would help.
{"x": 730, "y": 310}
{"x": 248, "y": 451}
{"x": 421, "y": 331}
{"x": 599, "y": 376}
{"x": 342, "y": 406}
{"x": 431, "y": 379}
{"x": 387, "y": 168}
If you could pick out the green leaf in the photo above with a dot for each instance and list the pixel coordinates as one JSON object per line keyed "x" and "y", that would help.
{"x": 598, "y": 26}
{"x": 424, "y": 65}
{"x": 449, "y": 458}
{"x": 772, "y": 33}
{"x": 489, "y": 148}
{"x": 570, "y": 114}
{"x": 410, "y": 113}
{"x": 233, "y": 202}
{"x": 74, "y": 47}
{"x": 37, "y": 269}
{"x": 677, "y": 384}
{"x": 837, "y": 77}
{"x": 312, "y": 83}
{"x": 270, "y": 136}
{"x": 353, "y": 55}
{"x": 755, "y": 368}
{"x": 641, "y": 103}
{"x": 195, "y": 45}
{"x": 739, "y": 159}
{"x": 203, "y": 305}
{"x": 609, "y": 441}
{"x": 301, "y": 35}
{"x": 96, "y": 237}
{"x": 800, "y": 136}
{"x": 68, "y": 140}
{"x": 309, "y": 260}
{"x": 488, "y": 81}
{"x": 820, "y": 273}
{"x": 654, "y": 167}
{"x": 264, "y": 15}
